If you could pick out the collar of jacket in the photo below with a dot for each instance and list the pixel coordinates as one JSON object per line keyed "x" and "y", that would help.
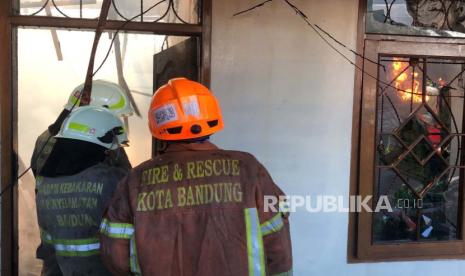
{"x": 191, "y": 146}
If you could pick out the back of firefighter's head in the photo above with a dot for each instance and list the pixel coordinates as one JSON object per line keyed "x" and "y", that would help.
{"x": 104, "y": 94}
{"x": 184, "y": 110}
{"x": 84, "y": 139}
{"x": 95, "y": 125}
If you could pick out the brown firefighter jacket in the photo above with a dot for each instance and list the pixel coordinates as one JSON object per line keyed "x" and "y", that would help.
{"x": 196, "y": 210}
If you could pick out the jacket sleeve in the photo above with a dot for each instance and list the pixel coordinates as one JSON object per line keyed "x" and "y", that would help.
{"x": 274, "y": 225}
{"x": 40, "y": 152}
{"x": 117, "y": 231}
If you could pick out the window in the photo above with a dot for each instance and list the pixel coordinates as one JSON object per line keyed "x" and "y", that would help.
{"x": 441, "y": 18}
{"x": 418, "y": 149}
{"x": 408, "y": 147}
{"x": 39, "y": 68}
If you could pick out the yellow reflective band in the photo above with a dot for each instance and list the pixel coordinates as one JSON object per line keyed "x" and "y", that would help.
{"x": 119, "y": 104}
{"x": 72, "y": 247}
{"x": 256, "y": 258}
{"x": 75, "y": 101}
{"x": 134, "y": 263}
{"x": 273, "y": 225}
{"x": 79, "y": 127}
{"x": 116, "y": 230}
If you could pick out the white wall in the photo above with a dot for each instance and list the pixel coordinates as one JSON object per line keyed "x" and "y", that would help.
{"x": 287, "y": 98}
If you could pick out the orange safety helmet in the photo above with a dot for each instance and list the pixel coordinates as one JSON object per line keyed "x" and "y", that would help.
{"x": 183, "y": 110}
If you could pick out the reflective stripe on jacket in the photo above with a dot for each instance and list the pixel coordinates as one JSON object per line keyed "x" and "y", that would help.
{"x": 196, "y": 210}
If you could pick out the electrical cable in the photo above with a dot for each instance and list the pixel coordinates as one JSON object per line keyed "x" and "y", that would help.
{"x": 321, "y": 35}
{"x": 252, "y": 8}
{"x": 81, "y": 93}
{"x": 117, "y": 32}
{"x": 26, "y": 170}
{"x": 59, "y": 121}
{"x": 349, "y": 49}
{"x": 301, "y": 13}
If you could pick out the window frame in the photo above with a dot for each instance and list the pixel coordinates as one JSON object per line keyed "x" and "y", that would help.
{"x": 360, "y": 248}
{"x": 9, "y": 20}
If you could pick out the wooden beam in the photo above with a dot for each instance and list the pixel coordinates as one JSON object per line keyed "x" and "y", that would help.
{"x": 206, "y": 42}
{"x": 9, "y": 252}
{"x": 91, "y": 24}
{"x": 56, "y": 41}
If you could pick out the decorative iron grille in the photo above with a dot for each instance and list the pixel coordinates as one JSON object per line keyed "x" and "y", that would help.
{"x": 420, "y": 130}
{"x": 417, "y": 17}
{"x": 164, "y": 11}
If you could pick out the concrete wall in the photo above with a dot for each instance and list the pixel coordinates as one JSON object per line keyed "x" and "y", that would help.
{"x": 288, "y": 98}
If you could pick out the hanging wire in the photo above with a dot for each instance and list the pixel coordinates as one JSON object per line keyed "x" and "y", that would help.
{"x": 316, "y": 30}
{"x": 26, "y": 170}
{"x": 117, "y": 32}
{"x": 349, "y": 49}
{"x": 321, "y": 34}
{"x": 40, "y": 151}
{"x": 170, "y": 5}
{"x": 80, "y": 95}
{"x": 252, "y": 8}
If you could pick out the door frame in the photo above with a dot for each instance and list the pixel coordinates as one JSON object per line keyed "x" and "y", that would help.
{"x": 9, "y": 20}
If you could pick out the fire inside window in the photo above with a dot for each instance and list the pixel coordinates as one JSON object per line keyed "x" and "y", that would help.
{"x": 419, "y": 149}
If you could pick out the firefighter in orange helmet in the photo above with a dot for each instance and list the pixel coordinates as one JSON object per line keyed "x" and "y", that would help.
{"x": 194, "y": 209}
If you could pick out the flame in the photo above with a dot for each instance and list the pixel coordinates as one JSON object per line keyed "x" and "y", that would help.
{"x": 403, "y": 82}
{"x": 442, "y": 82}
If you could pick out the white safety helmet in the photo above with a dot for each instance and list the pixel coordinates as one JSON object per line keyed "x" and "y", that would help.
{"x": 105, "y": 94}
{"x": 96, "y": 125}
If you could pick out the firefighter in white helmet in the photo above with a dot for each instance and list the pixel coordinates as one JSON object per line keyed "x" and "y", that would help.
{"x": 73, "y": 188}
{"x": 104, "y": 94}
